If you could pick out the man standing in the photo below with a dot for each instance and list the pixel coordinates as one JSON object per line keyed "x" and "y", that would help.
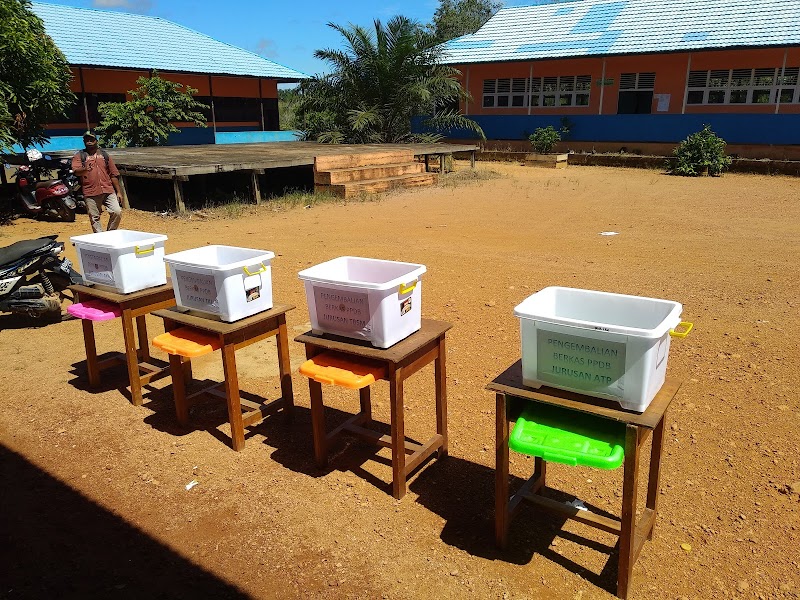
{"x": 100, "y": 182}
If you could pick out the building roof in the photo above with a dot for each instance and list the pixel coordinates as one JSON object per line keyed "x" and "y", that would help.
{"x": 100, "y": 38}
{"x": 574, "y": 28}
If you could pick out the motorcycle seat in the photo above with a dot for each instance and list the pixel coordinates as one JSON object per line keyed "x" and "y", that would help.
{"x": 17, "y": 250}
{"x": 48, "y": 183}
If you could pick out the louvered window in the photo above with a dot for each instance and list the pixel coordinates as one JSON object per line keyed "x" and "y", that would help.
{"x": 567, "y": 90}
{"x": 744, "y": 86}
{"x": 637, "y": 81}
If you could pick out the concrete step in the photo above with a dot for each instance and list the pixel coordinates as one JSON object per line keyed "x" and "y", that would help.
{"x": 365, "y": 159}
{"x": 366, "y": 173}
{"x": 354, "y": 188}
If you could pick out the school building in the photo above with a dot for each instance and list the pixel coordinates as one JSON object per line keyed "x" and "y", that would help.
{"x": 638, "y": 74}
{"x": 108, "y": 51}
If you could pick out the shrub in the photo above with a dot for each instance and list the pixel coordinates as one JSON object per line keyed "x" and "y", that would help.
{"x": 698, "y": 152}
{"x": 544, "y": 139}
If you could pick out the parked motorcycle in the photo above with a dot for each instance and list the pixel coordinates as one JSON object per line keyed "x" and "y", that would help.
{"x": 63, "y": 166}
{"x": 48, "y": 198}
{"x": 34, "y": 277}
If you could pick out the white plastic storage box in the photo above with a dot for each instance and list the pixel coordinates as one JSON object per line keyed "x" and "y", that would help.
{"x": 604, "y": 345}
{"x": 122, "y": 260}
{"x": 365, "y": 298}
{"x": 229, "y": 282}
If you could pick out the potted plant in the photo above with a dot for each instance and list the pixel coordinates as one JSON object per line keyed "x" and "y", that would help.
{"x": 543, "y": 140}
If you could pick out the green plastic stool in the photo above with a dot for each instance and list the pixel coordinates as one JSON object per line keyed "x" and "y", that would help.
{"x": 568, "y": 437}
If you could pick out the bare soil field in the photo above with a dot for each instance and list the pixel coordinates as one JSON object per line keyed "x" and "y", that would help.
{"x": 93, "y": 489}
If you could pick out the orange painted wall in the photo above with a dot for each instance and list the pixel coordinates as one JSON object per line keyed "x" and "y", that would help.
{"x": 118, "y": 81}
{"x": 478, "y": 72}
{"x": 235, "y": 87}
{"x": 110, "y": 81}
{"x": 670, "y": 69}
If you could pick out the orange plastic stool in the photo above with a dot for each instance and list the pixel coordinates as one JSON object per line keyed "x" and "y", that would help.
{"x": 336, "y": 369}
{"x": 187, "y": 342}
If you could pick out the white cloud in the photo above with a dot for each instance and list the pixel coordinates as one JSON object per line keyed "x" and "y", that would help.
{"x": 267, "y": 48}
{"x": 138, "y": 6}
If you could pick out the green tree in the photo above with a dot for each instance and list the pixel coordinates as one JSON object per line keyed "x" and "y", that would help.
{"x": 379, "y": 82}
{"x": 454, "y": 18}
{"x": 34, "y": 77}
{"x": 147, "y": 118}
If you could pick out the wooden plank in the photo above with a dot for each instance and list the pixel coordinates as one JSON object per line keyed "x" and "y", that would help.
{"x": 429, "y": 331}
{"x": 133, "y": 300}
{"x": 396, "y": 409}
{"x": 177, "y": 188}
{"x": 93, "y": 367}
{"x": 179, "y": 389}
{"x": 501, "y": 508}
{"x": 416, "y": 459}
{"x": 206, "y": 323}
{"x": 255, "y": 184}
{"x": 586, "y": 517}
{"x": 629, "y": 491}
{"x": 642, "y": 532}
{"x": 510, "y": 382}
{"x": 350, "y": 160}
{"x": 131, "y": 357}
{"x": 533, "y": 485}
{"x": 123, "y": 186}
{"x": 654, "y": 477}
{"x": 440, "y": 377}
{"x": 232, "y": 394}
{"x": 259, "y": 412}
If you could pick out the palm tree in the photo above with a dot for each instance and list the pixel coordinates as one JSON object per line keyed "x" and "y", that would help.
{"x": 378, "y": 83}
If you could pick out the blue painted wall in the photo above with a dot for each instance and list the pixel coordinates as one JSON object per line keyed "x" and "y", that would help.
{"x": 251, "y": 137}
{"x": 733, "y": 128}
{"x": 188, "y": 136}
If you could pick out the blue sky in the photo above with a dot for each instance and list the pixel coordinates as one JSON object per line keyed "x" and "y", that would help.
{"x": 286, "y": 32}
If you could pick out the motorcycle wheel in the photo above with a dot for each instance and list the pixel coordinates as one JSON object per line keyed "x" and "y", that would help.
{"x": 65, "y": 213}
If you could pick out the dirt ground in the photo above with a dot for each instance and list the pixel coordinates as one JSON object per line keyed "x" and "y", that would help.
{"x": 94, "y": 498}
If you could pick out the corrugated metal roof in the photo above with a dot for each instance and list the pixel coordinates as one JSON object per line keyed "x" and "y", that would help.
{"x": 116, "y": 39}
{"x": 602, "y": 27}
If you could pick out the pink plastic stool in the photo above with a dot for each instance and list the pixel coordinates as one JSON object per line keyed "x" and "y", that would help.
{"x": 94, "y": 310}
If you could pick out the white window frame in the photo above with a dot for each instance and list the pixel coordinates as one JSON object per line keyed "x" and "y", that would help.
{"x": 721, "y": 84}
{"x": 564, "y": 90}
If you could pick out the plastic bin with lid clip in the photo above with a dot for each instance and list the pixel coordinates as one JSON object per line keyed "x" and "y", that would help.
{"x": 122, "y": 260}
{"x": 365, "y": 298}
{"x": 597, "y": 343}
{"x": 224, "y": 281}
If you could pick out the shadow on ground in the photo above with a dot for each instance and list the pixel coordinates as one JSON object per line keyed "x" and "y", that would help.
{"x": 56, "y": 543}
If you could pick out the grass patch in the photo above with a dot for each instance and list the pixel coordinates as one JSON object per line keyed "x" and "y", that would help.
{"x": 236, "y": 207}
{"x": 467, "y": 176}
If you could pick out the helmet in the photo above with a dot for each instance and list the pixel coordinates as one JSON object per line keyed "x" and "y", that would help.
{"x": 33, "y": 154}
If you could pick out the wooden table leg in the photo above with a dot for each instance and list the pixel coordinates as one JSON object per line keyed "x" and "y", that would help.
{"x": 540, "y": 469}
{"x": 440, "y": 373}
{"x": 144, "y": 344}
{"x": 501, "y": 474}
{"x": 628, "y": 525}
{"x": 653, "y": 481}
{"x": 365, "y": 401}
{"x": 285, "y": 368}
{"x": 92, "y": 367}
{"x": 318, "y": 424}
{"x": 132, "y": 357}
{"x": 398, "y": 433}
{"x": 232, "y": 396}
{"x": 176, "y": 369}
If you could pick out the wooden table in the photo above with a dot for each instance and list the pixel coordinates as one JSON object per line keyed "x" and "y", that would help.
{"x": 133, "y": 306}
{"x": 402, "y": 360}
{"x": 509, "y": 387}
{"x": 233, "y": 336}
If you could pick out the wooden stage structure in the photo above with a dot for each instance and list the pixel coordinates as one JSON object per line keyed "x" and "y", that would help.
{"x": 178, "y": 163}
